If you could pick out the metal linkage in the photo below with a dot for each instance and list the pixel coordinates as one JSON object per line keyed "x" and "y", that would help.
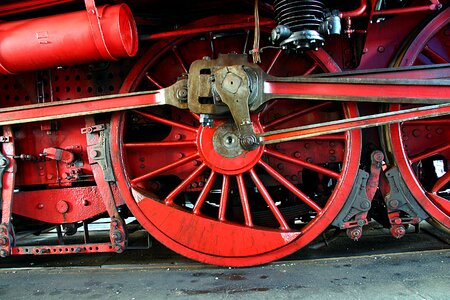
{"x": 7, "y": 153}
{"x": 295, "y": 133}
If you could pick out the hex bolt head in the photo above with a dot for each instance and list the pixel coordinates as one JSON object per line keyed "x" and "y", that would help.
{"x": 3, "y": 162}
{"x": 3, "y": 253}
{"x": 3, "y": 241}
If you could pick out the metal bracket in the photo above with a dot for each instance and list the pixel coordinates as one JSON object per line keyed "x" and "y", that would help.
{"x": 98, "y": 148}
{"x": 356, "y": 203}
{"x": 4, "y": 164}
{"x": 118, "y": 235}
{"x": 400, "y": 199}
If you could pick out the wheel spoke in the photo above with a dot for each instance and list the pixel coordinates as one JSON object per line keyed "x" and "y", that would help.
{"x": 433, "y": 55}
{"x": 302, "y": 163}
{"x": 166, "y": 121}
{"x": 195, "y": 116}
{"x": 311, "y": 69}
{"x": 290, "y": 186}
{"x": 440, "y": 183}
{"x": 430, "y": 152}
{"x": 204, "y": 193}
{"x": 169, "y": 199}
{"x": 165, "y": 168}
{"x": 295, "y": 114}
{"x": 274, "y": 60}
{"x": 153, "y": 80}
{"x": 180, "y": 59}
{"x": 160, "y": 144}
{"x": 265, "y": 194}
{"x": 224, "y": 197}
{"x": 244, "y": 200}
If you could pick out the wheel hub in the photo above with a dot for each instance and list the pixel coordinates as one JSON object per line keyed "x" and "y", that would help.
{"x": 222, "y": 151}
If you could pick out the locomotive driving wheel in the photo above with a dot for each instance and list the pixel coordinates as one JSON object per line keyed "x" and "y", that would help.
{"x": 194, "y": 187}
{"x": 421, "y": 148}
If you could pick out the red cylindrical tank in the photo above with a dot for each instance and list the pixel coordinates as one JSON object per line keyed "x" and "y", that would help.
{"x": 68, "y": 39}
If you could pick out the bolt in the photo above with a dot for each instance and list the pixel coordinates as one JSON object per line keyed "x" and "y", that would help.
{"x": 3, "y": 162}
{"x": 416, "y": 133}
{"x": 180, "y": 155}
{"x": 365, "y": 205}
{"x": 178, "y": 136}
{"x": 439, "y": 130}
{"x": 380, "y": 49}
{"x": 309, "y": 159}
{"x": 117, "y": 237}
{"x": 354, "y": 233}
{"x": 40, "y": 206}
{"x": 307, "y": 145}
{"x": 85, "y": 203}
{"x": 429, "y": 136}
{"x": 182, "y": 94}
{"x": 95, "y": 153}
{"x": 393, "y": 203}
{"x": 280, "y": 166}
{"x": 115, "y": 224}
{"x": 3, "y": 253}
{"x": 398, "y": 231}
{"x": 377, "y": 156}
{"x": 332, "y": 151}
{"x": 297, "y": 154}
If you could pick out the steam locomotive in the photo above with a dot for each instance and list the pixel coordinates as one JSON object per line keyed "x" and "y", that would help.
{"x": 234, "y": 132}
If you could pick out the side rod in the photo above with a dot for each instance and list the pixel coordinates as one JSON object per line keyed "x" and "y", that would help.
{"x": 301, "y": 132}
{"x": 379, "y": 90}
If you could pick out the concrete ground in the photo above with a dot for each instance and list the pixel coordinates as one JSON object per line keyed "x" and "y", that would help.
{"x": 376, "y": 267}
{"x": 412, "y": 275}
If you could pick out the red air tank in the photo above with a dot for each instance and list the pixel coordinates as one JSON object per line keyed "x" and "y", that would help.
{"x": 106, "y": 33}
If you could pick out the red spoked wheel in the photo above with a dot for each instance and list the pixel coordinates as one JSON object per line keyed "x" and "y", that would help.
{"x": 421, "y": 149}
{"x": 198, "y": 192}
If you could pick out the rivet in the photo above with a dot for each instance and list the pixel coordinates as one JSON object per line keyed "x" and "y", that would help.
{"x": 62, "y": 206}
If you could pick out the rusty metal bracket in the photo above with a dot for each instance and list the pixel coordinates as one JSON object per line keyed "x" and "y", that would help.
{"x": 98, "y": 148}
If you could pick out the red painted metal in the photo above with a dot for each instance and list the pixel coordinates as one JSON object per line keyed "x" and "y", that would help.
{"x": 50, "y": 41}
{"x": 215, "y": 209}
{"x": 342, "y": 89}
{"x": 415, "y": 141}
{"x": 22, "y": 6}
{"x": 258, "y": 242}
{"x": 81, "y": 203}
